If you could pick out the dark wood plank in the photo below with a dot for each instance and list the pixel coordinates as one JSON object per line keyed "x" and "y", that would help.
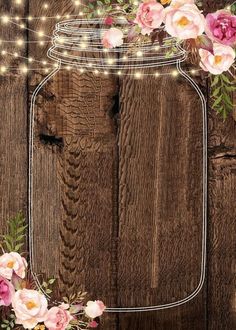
{"x": 160, "y": 203}
{"x": 13, "y": 122}
{"x": 75, "y": 202}
{"x": 222, "y": 230}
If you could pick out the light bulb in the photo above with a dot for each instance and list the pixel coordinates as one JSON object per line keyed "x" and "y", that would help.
{"x": 175, "y": 73}
{"x": 20, "y": 42}
{"x": 3, "y": 69}
{"x": 138, "y": 75}
{"x": 5, "y": 19}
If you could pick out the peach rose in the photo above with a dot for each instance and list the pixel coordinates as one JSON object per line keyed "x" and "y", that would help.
{"x": 113, "y": 38}
{"x": 57, "y": 318}
{"x": 150, "y": 16}
{"x": 94, "y": 309}
{"x": 179, "y": 3}
{"x": 219, "y": 60}
{"x": 30, "y": 307}
{"x": 185, "y": 22}
{"x": 6, "y": 292}
{"x": 12, "y": 262}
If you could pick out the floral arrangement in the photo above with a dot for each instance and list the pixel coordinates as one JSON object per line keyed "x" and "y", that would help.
{"x": 24, "y": 306}
{"x": 209, "y": 39}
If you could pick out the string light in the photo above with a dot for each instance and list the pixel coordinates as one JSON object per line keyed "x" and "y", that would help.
{"x": 5, "y": 19}
{"x": 138, "y": 75}
{"x": 3, "y": 69}
{"x": 175, "y": 73}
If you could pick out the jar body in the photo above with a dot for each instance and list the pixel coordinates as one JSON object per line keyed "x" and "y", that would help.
{"x": 121, "y": 167}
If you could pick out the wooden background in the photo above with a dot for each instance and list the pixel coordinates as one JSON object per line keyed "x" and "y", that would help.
{"x": 117, "y": 195}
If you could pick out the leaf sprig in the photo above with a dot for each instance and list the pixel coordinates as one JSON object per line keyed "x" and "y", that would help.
{"x": 15, "y": 239}
{"x": 222, "y": 88}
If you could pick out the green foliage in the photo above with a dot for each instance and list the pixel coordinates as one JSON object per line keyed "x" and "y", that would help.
{"x": 221, "y": 92}
{"x": 8, "y": 324}
{"x": 47, "y": 285}
{"x": 75, "y": 298}
{"x": 15, "y": 239}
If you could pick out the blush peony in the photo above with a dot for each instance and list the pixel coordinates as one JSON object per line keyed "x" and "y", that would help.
{"x": 185, "y": 22}
{"x": 30, "y": 308}
{"x": 94, "y": 309}
{"x": 113, "y": 38}
{"x": 219, "y": 60}
{"x": 6, "y": 292}
{"x": 221, "y": 27}
{"x": 12, "y": 262}
{"x": 150, "y": 16}
{"x": 57, "y": 318}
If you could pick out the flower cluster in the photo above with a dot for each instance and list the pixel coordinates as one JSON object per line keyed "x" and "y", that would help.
{"x": 183, "y": 20}
{"x": 26, "y": 307}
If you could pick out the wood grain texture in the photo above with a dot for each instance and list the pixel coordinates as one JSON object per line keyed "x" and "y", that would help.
{"x": 100, "y": 218}
{"x": 13, "y": 126}
{"x": 222, "y": 231}
{"x": 75, "y": 180}
{"x": 160, "y": 203}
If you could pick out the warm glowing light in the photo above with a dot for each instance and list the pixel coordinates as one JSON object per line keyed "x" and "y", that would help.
{"x": 18, "y": 2}
{"x": 3, "y": 69}
{"x": 17, "y": 18}
{"x": 106, "y": 73}
{"x": 58, "y": 17}
{"x": 175, "y": 73}
{"x": 110, "y": 61}
{"x": 77, "y": 3}
{"x": 193, "y": 71}
{"x": 30, "y": 59}
{"x": 5, "y": 19}
{"x": 3, "y": 52}
{"x": 22, "y": 26}
{"x": 157, "y": 74}
{"x": 43, "y": 18}
{"x": 138, "y": 75}
{"x": 139, "y": 53}
{"x": 44, "y": 62}
{"x": 41, "y": 43}
{"x": 20, "y": 42}
{"x": 15, "y": 55}
{"x": 81, "y": 70}
{"x": 45, "y": 6}
{"x": 40, "y": 33}
{"x": 30, "y": 18}
{"x": 96, "y": 72}
{"x": 24, "y": 69}
{"x": 119, "y": 73}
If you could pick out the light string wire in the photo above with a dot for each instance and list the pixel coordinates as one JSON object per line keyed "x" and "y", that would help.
{"x": 204, "y": 199}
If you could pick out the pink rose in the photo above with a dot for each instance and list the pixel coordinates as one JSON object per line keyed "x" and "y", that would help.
{"x": 221, "y": 27}
{"x": 108, "y": 20}
{"x": 113, "y": 38}
{"x": 93, "y": 324}
{"x": 57, "y": 318}
{"x": 94, "y": 309}
{"x": 30, "y": 307}
{"x": 12, "y": 262}
{"x": 219, "y": 60}
{"x": 150, "y": 16}
{"x": 185, "y": 22}
{"x": 6, "y": 292}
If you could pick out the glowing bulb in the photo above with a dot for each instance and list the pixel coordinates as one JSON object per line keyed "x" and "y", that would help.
{"x": 3, "y": 69}
{"x": 157, "y": 74}
{"x": 30, "y": 59}
{"x": 67, "y": 16}
{"x": 90, "y": 64}
{"x": 43, "y": 18}
{"x": 18, "y": 2}
{"x": 96, "y": 72}
{"x": 68, "y": 67}
{"x": 24, "y": 69}
{"x": 77, "y": 3}
{"x": 45, "y": 6}
{"x": 138, "y": 75}
{"x": 81, "y": 70}
{"x": 193, "y": 71}
{"x": 65, "y": 53}
{"x": 46, "y": 70}
{"x": 44, "y": 62}
{"x": 16, "y": 55}
{"x": 5, "y": 19}
{"x": 157, "y": 48}
{"x": 81, "y": 13}
{"x": 110, "y": 61}
{"x": 58, "y": 17}
{"x": 139, "y": 53}
{"x": 119, "y": 73}
{"x": 40, "y": 33}
{"x": 106, "y": 73}
{"x": 20, "y": 42}
{"x": 41, "y": 43}
{"x": 60, "y": 40}
{"x": 175, "y": 73}
{"x": 22, "y": 26}
{"x": 30, "y": 18}
{"x": 17, "y": 18}
{"x": 83, "y": 45}
{"x": 3, "y": 52}
{"x": 125, "y": 57}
